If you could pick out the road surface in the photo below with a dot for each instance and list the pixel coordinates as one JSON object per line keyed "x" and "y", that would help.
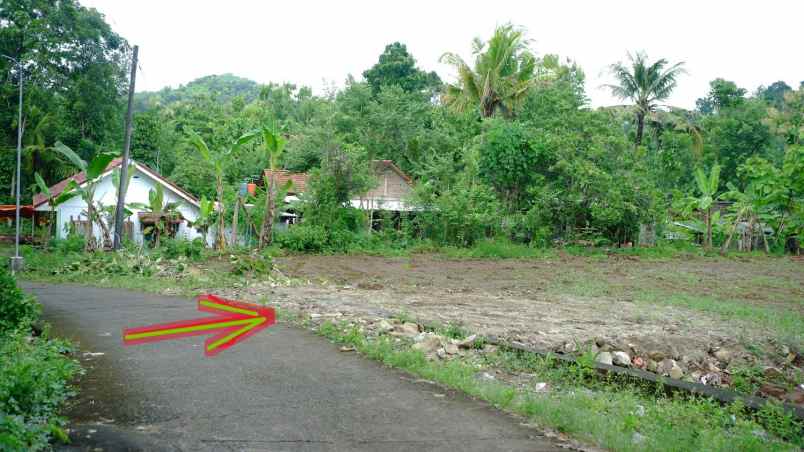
{"x": 282, "y": 389}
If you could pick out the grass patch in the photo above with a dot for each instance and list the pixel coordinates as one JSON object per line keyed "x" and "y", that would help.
{"x": 614, "y": 416}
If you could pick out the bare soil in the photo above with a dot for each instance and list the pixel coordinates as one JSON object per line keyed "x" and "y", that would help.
{"x": 619, "y": 303}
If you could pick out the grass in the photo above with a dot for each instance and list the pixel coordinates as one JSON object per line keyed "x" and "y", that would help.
{"x": 605, "y": 413}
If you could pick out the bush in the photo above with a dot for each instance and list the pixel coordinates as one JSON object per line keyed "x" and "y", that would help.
{"x": 74, "y": 243}
{"x": 306, "y": 238}
{"x": 34, "y": 376}
{"x": 17, "y": 310}
{"x": 174, "y": 248}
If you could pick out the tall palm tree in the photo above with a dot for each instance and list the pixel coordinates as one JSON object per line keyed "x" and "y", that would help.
{"x": 504, "y": 70}
{"x": 644, "y": 84}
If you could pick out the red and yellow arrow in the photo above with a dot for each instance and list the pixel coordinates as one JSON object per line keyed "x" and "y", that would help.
{"x": 234, "y": 321}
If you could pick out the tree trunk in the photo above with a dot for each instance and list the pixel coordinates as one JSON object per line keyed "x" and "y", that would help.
{"x": 708, "y": 239}
{"x": 640, "y": 127}
{"x": 764, "y": 238}
{"x": 233, "y": 240}
{"x": 725, "y": 246}
{"x": 266, "y": 230}
{"x": 221, "y": 241}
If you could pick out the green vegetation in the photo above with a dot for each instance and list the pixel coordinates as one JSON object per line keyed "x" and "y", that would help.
{"x": 612, "y": 414}
{"x": 34, "y": 375}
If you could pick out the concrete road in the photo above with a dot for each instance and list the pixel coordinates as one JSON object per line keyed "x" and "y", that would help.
{"x": 282, "y": 389}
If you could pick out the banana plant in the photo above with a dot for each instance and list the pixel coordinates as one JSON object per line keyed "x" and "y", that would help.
{"x": 205, "y": 217}
{"x": 707, "y": 186}
{"x": 53, "y": 201}
{"x": 216, "y": 160}
{"x": 92, "y": 171}
{"x": 161, "y": 213}
{"x": 273, "y": 145}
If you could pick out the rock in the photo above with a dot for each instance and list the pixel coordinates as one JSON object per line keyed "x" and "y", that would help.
{"x": 407, "y": 329}
{"x": 604, "y": 358}
{"x": 772, "y": 390}
{"x": 772, "y": 373}
{"x": 429, "y": 344}
{"x": 441, "y": 353}
{"x": 569, "y": 347}
{"x": 621, "y": 359}
{"x": 451, "y": 349}
{"x": 676, "y": 372}
{"x": 384, "y": 327}
{"x": 541, "y": 387}
{"x": 711, "y": 379}
{"x": 637, "y": 438}
{"x": 468, "y": 342}
{"x": 669, "y": 367}
{"x": 651, "y": 365}
{"x": 723, "y": 355}
{"x": 796, "y": 397}
{"x": 487, "y": 376}
{"x": 369, "y": 286}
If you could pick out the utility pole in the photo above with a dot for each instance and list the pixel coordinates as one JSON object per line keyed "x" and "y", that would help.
{"x": 121, "y": 189}
{"x": 17, "y": 261}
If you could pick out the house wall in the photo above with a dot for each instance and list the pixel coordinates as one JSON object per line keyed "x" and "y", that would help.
{"x": 106, "y": 194}
{"x": 389, "y": 194}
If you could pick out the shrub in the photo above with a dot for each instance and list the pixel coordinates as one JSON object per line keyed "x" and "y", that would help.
{"x": 17, "y": 310}
{"x": 251, "y": 264}
{"x": 74, "y": 243}
{"x": 174, "y": 248}
{"x": 34, "y": 376}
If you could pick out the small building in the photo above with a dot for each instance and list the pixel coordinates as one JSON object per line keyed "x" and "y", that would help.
{"x": 71, "y": 215}
{"x": 393, "y": 189}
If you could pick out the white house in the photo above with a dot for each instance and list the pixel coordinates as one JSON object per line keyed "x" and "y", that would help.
{"x": 143, "y": 180}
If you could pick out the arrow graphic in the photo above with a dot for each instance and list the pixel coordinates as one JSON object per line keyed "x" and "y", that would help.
{"x": 233, "y": 322}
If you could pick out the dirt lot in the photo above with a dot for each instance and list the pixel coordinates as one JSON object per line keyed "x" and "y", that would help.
{"x": 686, "y": 309}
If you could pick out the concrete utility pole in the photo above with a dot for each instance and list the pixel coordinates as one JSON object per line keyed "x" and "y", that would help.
{"x": 121, "y": 189}
{"x": 17, "y": 261}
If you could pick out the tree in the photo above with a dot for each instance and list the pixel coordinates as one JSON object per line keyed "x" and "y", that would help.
{"x": 723, "y": 95}
{"x": 92, "y": 171}
{"x": 205, "y": 217}
{"x": 159, "y": 213}
{"x": 707, "y": 187}
{"x": 397, "y": 67}
{"x": 216, "y": 160}
{"x": 76, "y": 71}
{"x": 53, "y": 201}
{"x": 273, "y": 144}
{"x": 499, "y": 80}
{"x": 644, "y": 84}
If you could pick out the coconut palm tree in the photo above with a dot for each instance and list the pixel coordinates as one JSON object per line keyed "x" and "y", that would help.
{"x": 503, "y": 72}
{"x": 644, "y": 84}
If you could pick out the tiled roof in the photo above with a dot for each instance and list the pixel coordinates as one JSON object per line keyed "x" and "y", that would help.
{"x": 300, "y": 179}
{"x": 81, "y": 177}
{"x": 283, "y": 176}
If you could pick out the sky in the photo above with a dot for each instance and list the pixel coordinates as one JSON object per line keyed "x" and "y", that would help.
{"x": 319, "y": 44}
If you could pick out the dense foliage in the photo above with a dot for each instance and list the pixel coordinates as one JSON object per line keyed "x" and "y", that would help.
{"x": 34, "y": 375}
{"x": 509, "y": 148}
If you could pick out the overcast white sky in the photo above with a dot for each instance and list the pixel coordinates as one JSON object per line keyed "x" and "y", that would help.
{"x": 320, "y": 43}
